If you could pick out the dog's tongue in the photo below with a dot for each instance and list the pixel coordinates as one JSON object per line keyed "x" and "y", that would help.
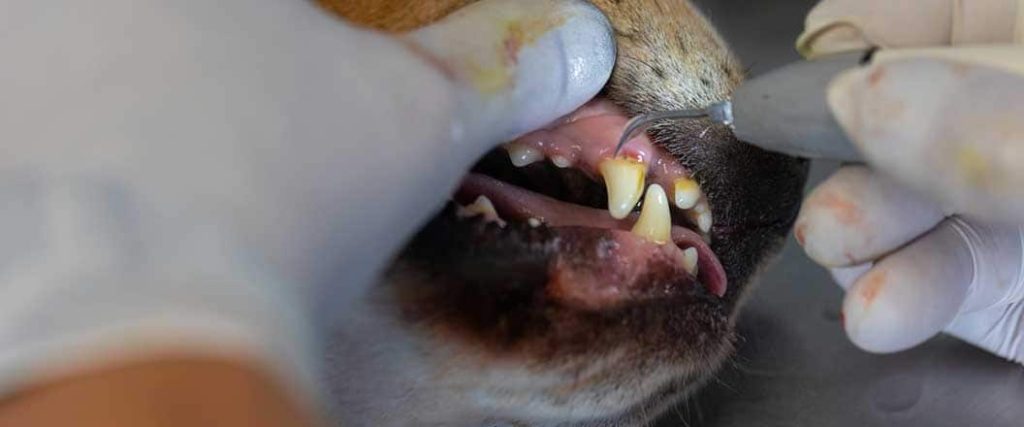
{"x": 599, "y": 263}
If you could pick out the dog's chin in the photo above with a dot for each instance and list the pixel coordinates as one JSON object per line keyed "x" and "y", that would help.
{"x": 494, "y": 317}
{"x": 529, "y": 361}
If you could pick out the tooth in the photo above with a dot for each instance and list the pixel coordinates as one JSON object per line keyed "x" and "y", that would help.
{"x": 704, "y": 221}
{"x": 481, "y": 206}
{"x": 561, "y": 161}
{"x": 702, "y": 206}
{"x": 522, "y": 155}
{"x": 687, "y": 192}
{"x": 690, "y": 260}
{"x": 655, "y": 222}
{"x": 701, "y": 216}
{"x": 534, "y": 222}
{"x": 624, "y": 179}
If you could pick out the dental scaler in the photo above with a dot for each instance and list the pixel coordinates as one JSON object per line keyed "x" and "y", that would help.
{"x": 785, "y": 111}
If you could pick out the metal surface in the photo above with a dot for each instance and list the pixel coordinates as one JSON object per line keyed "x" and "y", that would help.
{"x": 794, "y": 366}
{"x": 719, "y": 112}
{"x": 786, "y": 110}
{"x": 640, "y": 123}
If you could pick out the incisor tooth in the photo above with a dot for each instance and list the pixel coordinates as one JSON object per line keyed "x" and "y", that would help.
{"x": 522, "y": 155}
{"x": 687, "y": 192}
{"x": 655, "y": 222}
{"x": 690, "y": 260}
{"x": 624, "y": 179}
{"x": 561, "y": 161}
{"x": 481, "y": 206}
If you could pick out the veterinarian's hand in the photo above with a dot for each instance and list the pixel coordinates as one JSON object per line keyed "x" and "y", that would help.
{"x": 911, "y": 236}
{"x": 193, "y": 174}
{"x": 939, "y": 106}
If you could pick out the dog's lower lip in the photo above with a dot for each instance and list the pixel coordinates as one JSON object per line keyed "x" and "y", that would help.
{"x": 518, "y": 204}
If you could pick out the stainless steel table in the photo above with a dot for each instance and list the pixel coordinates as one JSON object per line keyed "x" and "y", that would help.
{"x": 794, "y": 366}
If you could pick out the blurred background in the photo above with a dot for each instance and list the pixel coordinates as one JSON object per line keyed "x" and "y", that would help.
{"x": 795, "y": 366}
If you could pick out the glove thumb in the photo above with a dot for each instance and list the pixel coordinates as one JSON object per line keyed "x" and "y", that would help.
{"x": 518, "y": 65}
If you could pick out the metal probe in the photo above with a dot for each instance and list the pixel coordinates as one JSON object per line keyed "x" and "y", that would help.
{"x": 785, "y": 111}
{"x": 719, "y": 112}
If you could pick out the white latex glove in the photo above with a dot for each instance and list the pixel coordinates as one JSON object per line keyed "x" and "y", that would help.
{"x": 913, "y": 238}
{"x": 191, "y": 175}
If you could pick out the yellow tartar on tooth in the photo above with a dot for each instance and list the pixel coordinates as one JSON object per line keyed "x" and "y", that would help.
{"x": 624, "y": 180}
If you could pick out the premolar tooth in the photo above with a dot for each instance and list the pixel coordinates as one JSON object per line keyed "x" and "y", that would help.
{"x": 522, "y": 155}
{"x": 702, "y": 206}
{"x": 687, "y": 193}
{"x": 481, "y": 206}
{"x": 655, "y": 222}
{"x": 624, "y": 179}
{"x": 700, "y": 216}
{"x": 704, "y": 221}
{"x": 690, "y": 260}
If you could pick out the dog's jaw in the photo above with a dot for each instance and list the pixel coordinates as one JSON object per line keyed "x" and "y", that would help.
{"x": 388, "y": 373}
{"x": 397, "y": 360}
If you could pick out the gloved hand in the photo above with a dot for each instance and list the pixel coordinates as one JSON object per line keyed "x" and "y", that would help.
{"x": 925, "y": 239}
{"x": 193, "y": 175}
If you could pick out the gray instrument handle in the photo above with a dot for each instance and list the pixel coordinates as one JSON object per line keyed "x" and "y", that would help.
{"x": 786, "y": 110}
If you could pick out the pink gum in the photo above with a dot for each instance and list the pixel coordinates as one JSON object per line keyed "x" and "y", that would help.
{"x": 590, "y": 136}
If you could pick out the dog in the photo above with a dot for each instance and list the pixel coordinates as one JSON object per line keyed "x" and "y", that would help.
{"x": 496, "y": 315}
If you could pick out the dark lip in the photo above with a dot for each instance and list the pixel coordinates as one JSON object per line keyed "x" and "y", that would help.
{"x": 515, "y": 257}
{"x": 581, "y": 223}
{"x": 450, "y": 289}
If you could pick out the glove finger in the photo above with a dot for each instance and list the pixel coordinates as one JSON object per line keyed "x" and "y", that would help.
{"x": 998, "y": 257}
{"x": 847, "y": 276}
{"x": 944, "y": 122}
{"x": 910, "y": 295}
{"x": 997, "y": 330}
{"x": 993, "y": 313}
{"x": 523, "y": 63}
{"x": 843, "y": 25}
{"x": 856, "y": 216}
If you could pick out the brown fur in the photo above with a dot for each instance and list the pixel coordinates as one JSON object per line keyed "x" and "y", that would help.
{"x": 393, "y": 15}
{"x": 645, "y": 31}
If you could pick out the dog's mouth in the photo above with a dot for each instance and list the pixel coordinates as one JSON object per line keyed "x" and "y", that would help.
{"x": 556, "y": 210}
{"x": 599, "y": 271}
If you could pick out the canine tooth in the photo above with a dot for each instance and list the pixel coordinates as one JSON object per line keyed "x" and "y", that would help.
{"x": 655, "y": 222}
{"x": 690, "y": 260}
{"x": 481, "y": 206}
{"x": 561, "y": 161}
{"x": 534, "y": 222}
{"x": 687, "y": 192}
{"x": 522, "y": 155}
{"x": 624, "y": 179}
